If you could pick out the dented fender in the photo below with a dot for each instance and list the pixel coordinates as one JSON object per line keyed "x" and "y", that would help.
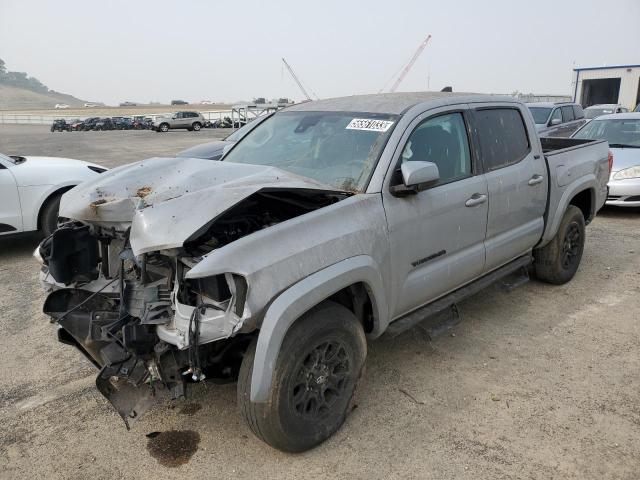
{"x": 301, "y": 297}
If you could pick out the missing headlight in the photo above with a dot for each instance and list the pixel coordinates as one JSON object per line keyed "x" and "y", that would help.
{"x": 214, "y": 288}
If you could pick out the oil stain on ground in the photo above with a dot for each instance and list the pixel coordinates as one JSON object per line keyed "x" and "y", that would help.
{"x": 174, "y": 447}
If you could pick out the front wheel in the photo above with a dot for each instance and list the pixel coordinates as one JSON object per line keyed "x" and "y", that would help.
{"x": 164, "y": 128}
{"x": 318, "y": 368}
{"x": 49, "y": 215}
{"x": 558, "y": 261}
{"x": 196, "y": 126}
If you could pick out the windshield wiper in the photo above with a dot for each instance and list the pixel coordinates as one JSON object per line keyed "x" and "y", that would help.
{"x": 623, "y": 145}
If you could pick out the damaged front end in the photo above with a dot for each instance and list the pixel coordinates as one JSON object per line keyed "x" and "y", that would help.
{"x": 125, "y": 281}
{"x": 146, "y": 328}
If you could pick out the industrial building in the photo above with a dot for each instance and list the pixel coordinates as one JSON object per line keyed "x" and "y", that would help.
{"x": 614, "y": 84}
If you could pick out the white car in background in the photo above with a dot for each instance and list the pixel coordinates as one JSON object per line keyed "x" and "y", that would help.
{"x": 622, "y": 131}
{"x": 31, "y": 187}
{"x": 58, "y": 106}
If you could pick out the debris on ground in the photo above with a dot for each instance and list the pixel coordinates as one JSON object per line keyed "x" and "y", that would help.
{"x": 415, "y": 400}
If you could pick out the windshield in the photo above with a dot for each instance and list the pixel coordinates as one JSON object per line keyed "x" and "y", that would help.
{"x": 540, "y": 114}
{"x": 616, "y": 132}
{"x": 338, "y": 149}
{"x": 596, "y": 112}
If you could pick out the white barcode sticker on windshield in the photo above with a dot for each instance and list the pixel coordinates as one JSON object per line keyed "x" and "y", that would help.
{"x": 369, "y": 124}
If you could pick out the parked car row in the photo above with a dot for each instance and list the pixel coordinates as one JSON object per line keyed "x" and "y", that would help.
{"x": 101, "y": 123}
{"x": 192, "y": 121}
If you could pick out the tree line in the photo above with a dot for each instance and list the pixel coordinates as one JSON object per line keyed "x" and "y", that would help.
{"x": 21, "y": 80}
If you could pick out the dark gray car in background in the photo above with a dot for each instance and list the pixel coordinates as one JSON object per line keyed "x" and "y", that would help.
{"x": 557, "y": 119}
{"x": 215, "y": 150}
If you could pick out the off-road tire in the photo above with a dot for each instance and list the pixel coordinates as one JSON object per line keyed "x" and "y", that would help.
{"x": 558, "y": 261}
{"x": 196, "y": 126}
{"x": 49, "y": 215}
{"x": 317, "y": 372}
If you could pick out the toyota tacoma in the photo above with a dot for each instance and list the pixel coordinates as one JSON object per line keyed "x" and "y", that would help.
{"x": 329, "y": 224}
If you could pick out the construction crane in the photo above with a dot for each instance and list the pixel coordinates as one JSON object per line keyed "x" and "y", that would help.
{"x": 406, "y": 69}
{"x": 294, "y": 76}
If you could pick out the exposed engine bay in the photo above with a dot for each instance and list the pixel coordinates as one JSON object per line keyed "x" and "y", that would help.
{"x": 139, "y": 319}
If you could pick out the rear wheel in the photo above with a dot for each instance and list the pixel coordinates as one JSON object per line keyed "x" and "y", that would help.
{"x": 558, "y": 261}
{"x": 314, "y": 381}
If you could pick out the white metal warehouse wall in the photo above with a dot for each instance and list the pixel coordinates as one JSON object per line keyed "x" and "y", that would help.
{"x": 629, "y": 79}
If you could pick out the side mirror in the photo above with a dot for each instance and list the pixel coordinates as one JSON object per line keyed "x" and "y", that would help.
{"x": 555, "y": 121}
{"x": 416, "y": 176}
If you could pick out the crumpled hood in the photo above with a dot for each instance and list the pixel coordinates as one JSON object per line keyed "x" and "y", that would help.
{"x": 168, "y": 199}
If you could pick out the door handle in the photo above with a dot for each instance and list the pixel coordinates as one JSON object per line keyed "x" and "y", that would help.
{"x": 535, "y": 180}
{"x": 476, "y": 199}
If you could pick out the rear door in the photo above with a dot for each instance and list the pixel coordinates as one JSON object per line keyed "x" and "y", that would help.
{"x": 570, "y": 122}
{"x": 10, "y": 211}
{"x": 516, "y": 174}
{"x": 436, "y": 235}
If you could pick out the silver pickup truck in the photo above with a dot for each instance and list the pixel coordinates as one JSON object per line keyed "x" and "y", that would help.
{"x": 330, "y": 223}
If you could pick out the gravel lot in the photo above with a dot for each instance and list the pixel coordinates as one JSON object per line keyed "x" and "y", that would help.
{"x": 542, "y": 382}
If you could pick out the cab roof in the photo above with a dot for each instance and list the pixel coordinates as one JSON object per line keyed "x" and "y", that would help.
{"x": 393, "y": 103}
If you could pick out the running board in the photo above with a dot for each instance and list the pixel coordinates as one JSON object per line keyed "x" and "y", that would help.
{"x": 423, "y": 313}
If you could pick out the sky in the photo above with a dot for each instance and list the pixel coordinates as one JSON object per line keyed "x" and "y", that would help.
{"x": 123, "y": 50}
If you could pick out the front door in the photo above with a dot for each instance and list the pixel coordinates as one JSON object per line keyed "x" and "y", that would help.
{"x": 10, "y": 211}
{"x": 437, "y": 235}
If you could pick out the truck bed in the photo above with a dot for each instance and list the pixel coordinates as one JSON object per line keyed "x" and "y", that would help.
{"x": 573, "y": 165}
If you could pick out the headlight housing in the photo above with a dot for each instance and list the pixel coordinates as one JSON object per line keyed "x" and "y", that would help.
{"x": 631, "y": 172}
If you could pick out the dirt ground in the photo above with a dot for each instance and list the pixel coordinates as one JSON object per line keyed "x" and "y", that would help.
{"x": 539, "y": 383}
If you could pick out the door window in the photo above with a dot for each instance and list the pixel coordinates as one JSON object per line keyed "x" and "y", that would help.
{"x": 503, "y": 137}
{"x": 567, "y": 114}
{"x": 441, "y": 140}
{"x": 555, "y": 116}
{"x": 578, "y": 112}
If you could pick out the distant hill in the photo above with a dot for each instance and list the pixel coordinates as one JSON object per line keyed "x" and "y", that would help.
{"x": 18, "y": 91}
{"x": 14, "y": 98}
